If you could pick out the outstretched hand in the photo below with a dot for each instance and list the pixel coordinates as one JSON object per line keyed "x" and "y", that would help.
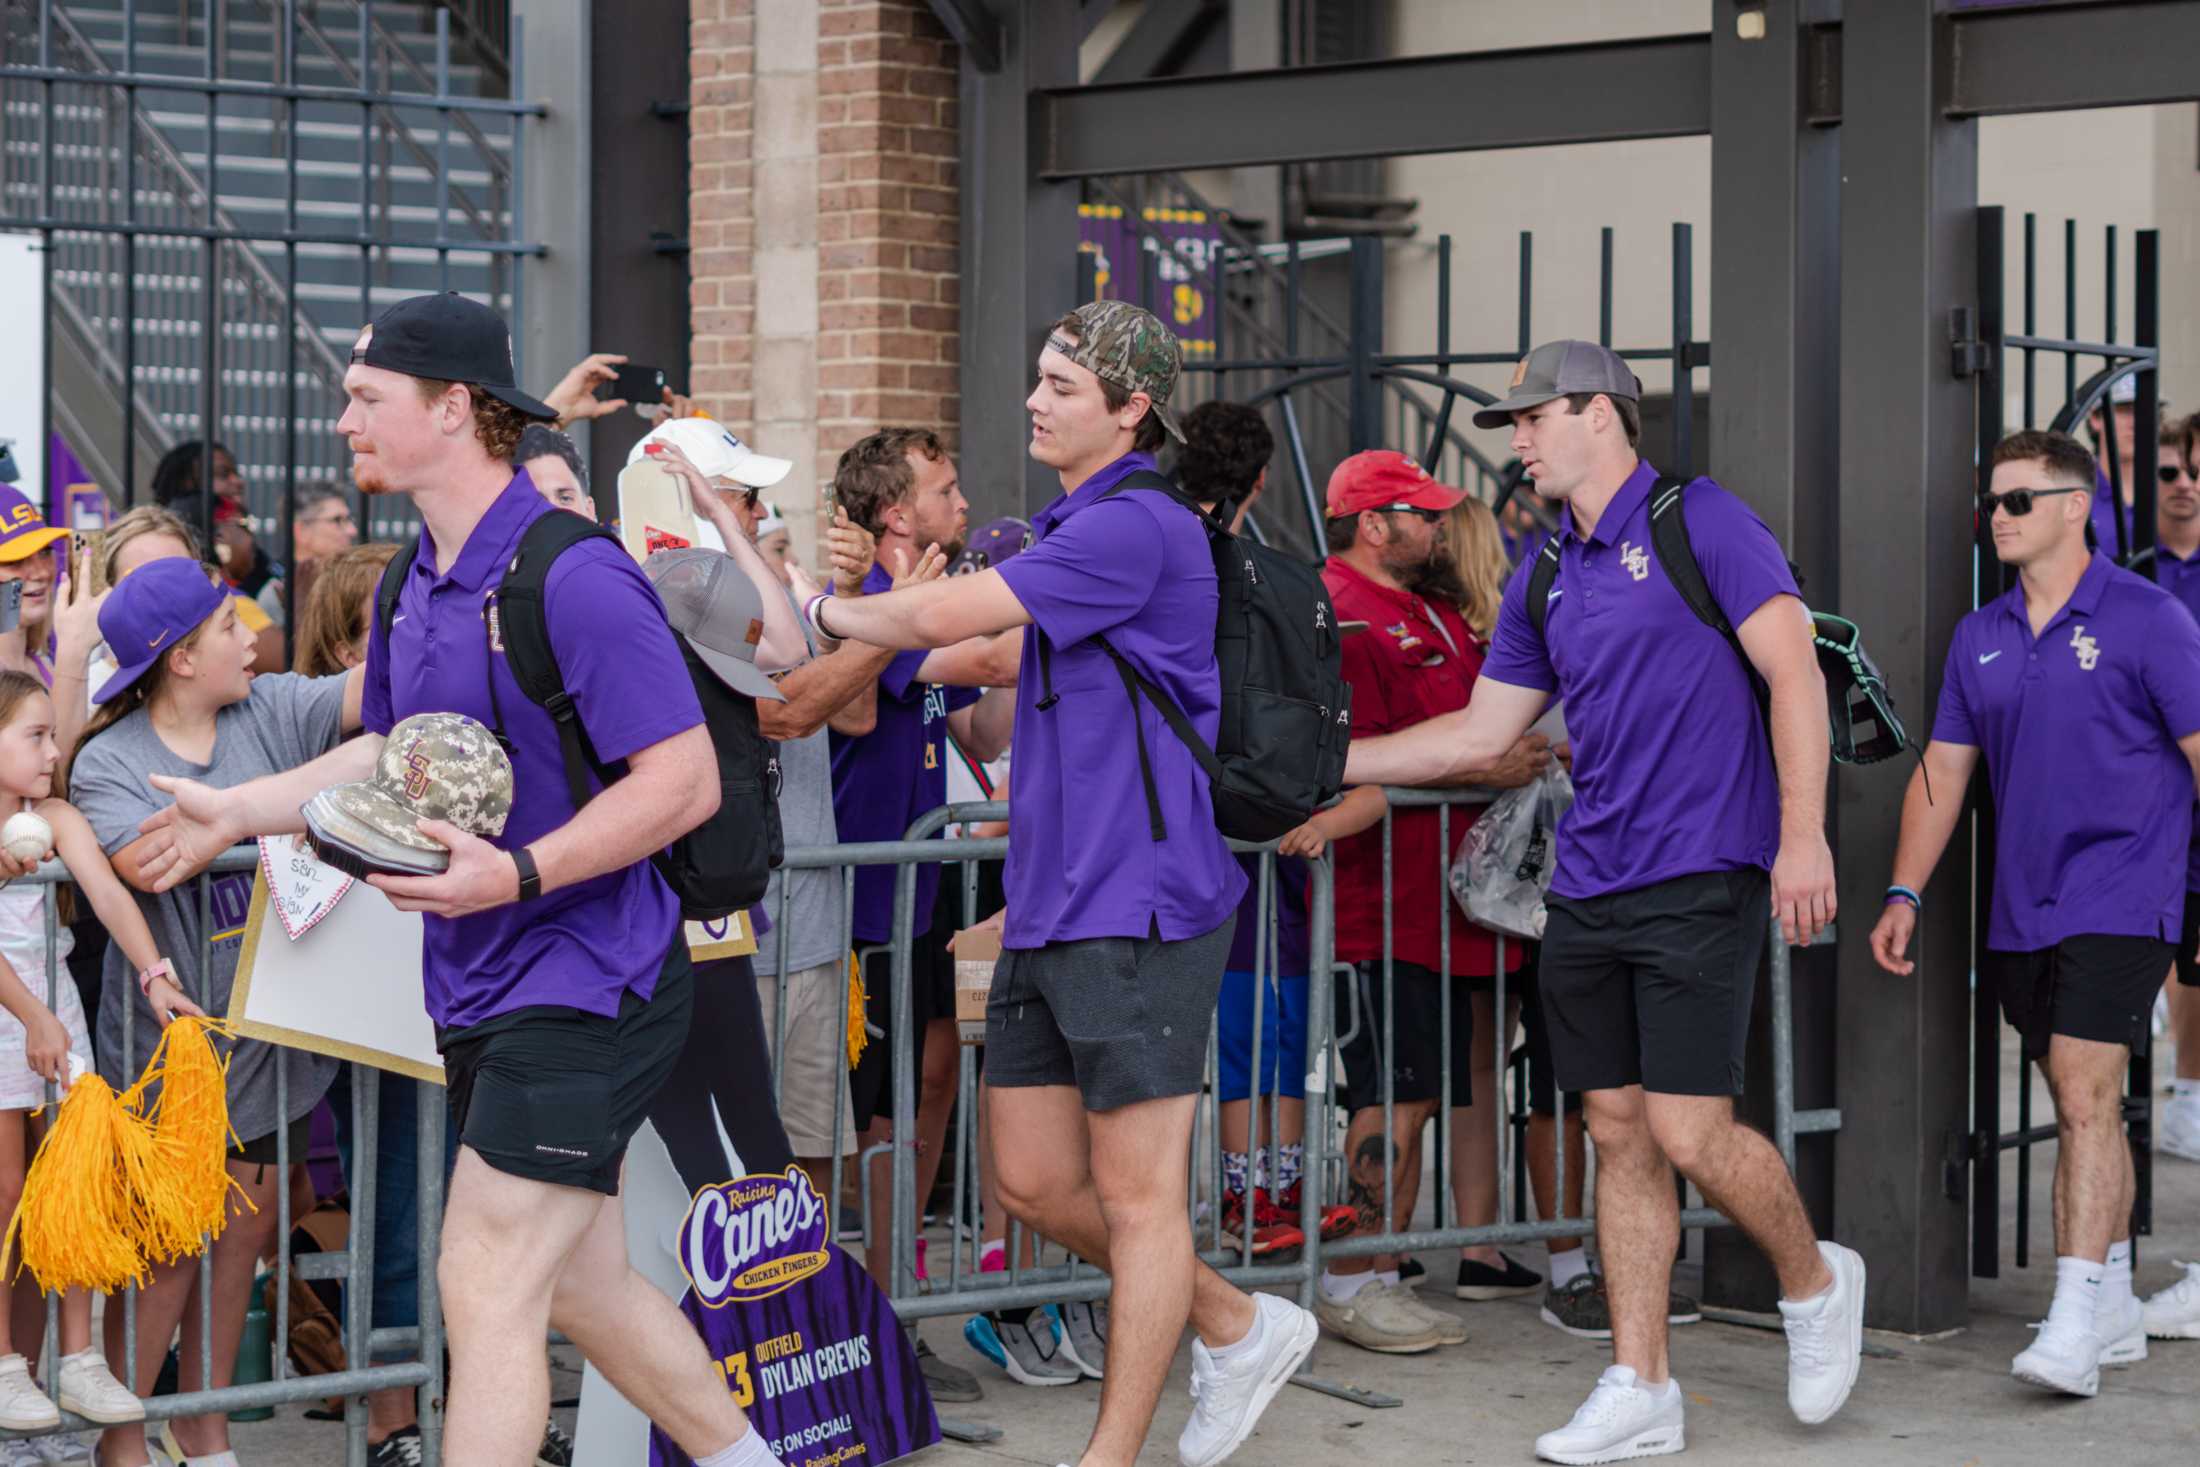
{"x": 929, "y": 565}
{"x": 188, "y": 835}
{"x": 574, "y": 399}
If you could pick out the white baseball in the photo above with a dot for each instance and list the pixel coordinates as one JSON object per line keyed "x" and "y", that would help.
{"x": 25, "y": 836}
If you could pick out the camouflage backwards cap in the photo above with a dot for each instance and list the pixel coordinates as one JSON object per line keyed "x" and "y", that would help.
{"x": 1128, "y": 346}
{"x": 434, "y": 766}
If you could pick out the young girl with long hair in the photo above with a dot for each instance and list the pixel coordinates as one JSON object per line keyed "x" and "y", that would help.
{"x": 38, "y": 1039}
{"x": 184, "y": 703}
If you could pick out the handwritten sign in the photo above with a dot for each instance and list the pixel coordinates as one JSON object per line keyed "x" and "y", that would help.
{"x": 301, "y": 889}
{"x": 730, "y": 937}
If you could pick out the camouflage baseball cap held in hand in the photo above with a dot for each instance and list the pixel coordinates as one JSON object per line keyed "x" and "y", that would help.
{"x": 434, "y": 766}
{"x": 1128, "y": 346}
{"x": 1557, "y": 369}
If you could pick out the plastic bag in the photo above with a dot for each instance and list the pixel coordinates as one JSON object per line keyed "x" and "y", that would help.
{"x": 1505, "y": 862}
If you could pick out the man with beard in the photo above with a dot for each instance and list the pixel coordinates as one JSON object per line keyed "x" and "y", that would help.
{"x": 552, "y": 956}
{"x": 899, "y": 485}
{"x": 1417, "y": 659}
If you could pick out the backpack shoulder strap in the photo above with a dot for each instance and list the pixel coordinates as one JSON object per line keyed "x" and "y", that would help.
{"x": 519, "y": 623}
{"x": 392, "y": 585}
{"x": 1541, "y": 577}
{"x": 1669, "y": 538}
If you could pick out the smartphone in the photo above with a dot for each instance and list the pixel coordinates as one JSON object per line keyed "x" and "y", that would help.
{"x": 85, "y": 558}
{"x": 642, "y": 387}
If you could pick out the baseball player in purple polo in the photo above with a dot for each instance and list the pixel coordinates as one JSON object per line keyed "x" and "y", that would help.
{"x": 2081, "y": 687}
{"x": 552, "y": 957}
{"x": 1661, "y": 901}
{"x": 1114, "y": 941}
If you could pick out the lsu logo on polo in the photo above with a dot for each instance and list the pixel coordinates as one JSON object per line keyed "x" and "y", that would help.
{"x": 2089, "y": 651}
{"x": 749, "y": 1238}
{"x": 1635, "y": 559}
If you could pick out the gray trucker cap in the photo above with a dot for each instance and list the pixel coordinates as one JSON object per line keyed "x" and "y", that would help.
{"x": 1555, "y": 369}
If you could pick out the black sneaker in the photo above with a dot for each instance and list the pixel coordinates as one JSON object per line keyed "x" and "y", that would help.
{"x": 1410, "y": 1272}
{"x": 556, "y": 1449}
{"x": 1481, "y": 1283}
{"x": 401, "y": 1448}
{"x": 1581, "y": 1308}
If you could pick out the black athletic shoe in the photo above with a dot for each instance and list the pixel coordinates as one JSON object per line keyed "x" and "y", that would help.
{"x": 556, "y": 1449}
{"x": 1410, "y": 1272}
{"x": 1580, "y": 1308}
{"x": 1480, "y": 1283}
{"x": 401, "y": 1448}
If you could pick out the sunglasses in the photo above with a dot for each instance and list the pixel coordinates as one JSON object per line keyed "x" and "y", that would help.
{"x": 1431, "y": 515}
{"x": 2168, "y": 473}
{"x": 2017, "y": 501}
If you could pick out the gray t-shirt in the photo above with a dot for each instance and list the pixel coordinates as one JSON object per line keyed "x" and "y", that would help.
{"x": 806, "y": 819}
{"x": 285, "y": 722}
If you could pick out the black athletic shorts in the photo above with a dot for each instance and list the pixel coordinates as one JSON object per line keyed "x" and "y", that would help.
{"x": 261, "y": 1150}
{"x": 2091, "y": 986}
{"x": 1652, "y": 987}
{"x": 554, "y": 1094}
{"x": 932, "y": 976}
{"x": 1417, "y": 1062}
{"x": 1535, "y": 1031}
{"x": 2188, "y": 968}
{"x": 1123, "y": 1019}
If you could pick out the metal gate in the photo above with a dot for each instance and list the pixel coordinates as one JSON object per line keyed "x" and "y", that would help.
{"x": 1983, "y": 351}
{"x": 1333, "y": 389}
{"x": 225, "y": 192}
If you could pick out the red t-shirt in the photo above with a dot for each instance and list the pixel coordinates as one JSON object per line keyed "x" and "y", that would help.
{"x": 1415, "y": 660}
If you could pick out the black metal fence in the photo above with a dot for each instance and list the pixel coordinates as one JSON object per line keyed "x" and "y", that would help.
{"x": 226, "y": 192}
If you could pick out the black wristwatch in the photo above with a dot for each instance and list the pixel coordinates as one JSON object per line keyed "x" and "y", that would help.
{"x": 530, "y": 880}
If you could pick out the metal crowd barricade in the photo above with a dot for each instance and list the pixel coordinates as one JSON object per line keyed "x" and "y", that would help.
{"x": 964, "y": 1290}
{"x": 353, "y": 1266}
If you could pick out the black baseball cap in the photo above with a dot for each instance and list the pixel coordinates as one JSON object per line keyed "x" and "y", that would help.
{"x": 452, "y": 338}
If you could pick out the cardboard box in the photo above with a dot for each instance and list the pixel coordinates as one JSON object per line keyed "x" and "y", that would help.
{"x": 977, "y": 949}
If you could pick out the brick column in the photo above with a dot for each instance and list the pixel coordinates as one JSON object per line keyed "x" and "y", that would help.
{"x": 887, "y": 222}
{"x": 824, "y": 224}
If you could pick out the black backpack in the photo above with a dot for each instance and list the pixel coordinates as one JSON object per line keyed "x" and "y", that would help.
{"x": 1864, "y": 727}
{"x": 723, "y": 864}
{"x": 1279, "y": 752}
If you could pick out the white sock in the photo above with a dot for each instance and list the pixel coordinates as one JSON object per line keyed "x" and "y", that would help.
{"x": 2116, "y": 1277}
{"x": 2079, "y": 1279}
{"x": 750, "y": 1451}
{"x": 1390, "y": 1278}
{"x": 1343, "y": 1288}
{"x": 219, "y": 1459}
{"x": 1250, "y": 1344}
{"x": 1568, "y": 1266}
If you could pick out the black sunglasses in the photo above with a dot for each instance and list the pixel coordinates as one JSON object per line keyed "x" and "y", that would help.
{"x": 2168, "y": 473}
{"x": 2017, "y": 501}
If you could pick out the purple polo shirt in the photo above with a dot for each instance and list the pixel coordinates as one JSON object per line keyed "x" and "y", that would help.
{"x": 582, "y": 945}
{"x": 884, "y": 780}
{"x": 1673, "y": 773}
{"x": 2079, "y": 727}
{"x": 2106, "y": 511}
{"x": 1082, "y": 860}
{"x": 2181, "y": 578}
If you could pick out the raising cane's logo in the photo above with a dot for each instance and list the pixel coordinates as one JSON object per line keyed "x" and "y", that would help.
{"x": 749, "y": 1238}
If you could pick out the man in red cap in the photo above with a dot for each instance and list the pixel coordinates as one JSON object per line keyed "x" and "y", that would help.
{"x": 1416, "y": 659}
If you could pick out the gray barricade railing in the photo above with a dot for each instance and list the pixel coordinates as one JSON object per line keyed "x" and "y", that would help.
{"x": 960, "y": 1290}
{"x": 353, "y": 1266}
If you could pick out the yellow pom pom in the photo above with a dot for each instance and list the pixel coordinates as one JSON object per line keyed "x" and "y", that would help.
{"x": 184, "y": 1095}
{"x": 858, "y": 1035}
{"x": 76, "y": 1221}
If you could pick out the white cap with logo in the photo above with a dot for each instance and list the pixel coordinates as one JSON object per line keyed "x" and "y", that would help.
{"x": 715, "y": 452}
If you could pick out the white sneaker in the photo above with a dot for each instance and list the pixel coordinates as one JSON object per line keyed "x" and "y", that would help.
{"x": 23, "y": 1406}
{"x": 1446, "y": 1327}
{"x": 1619, "y": 1420}
{"x": 2174, "y": 1314}
{"x": 90, "y": 1389}
{"x": 2066, "y": 1356}
{"x": 2179, "y": 1134}
{"x": 2123, "y": 1337}
{"x": 1227, "y": 1399}
{"x": 1826, "y": 1339}
{"x": 21, "y": 1452}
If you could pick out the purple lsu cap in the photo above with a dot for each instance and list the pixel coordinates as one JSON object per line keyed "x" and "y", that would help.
{"x": 995, "y": 543}
{"x": 148, "y": 613}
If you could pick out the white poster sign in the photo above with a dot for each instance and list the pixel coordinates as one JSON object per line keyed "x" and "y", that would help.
{"x": 23, "y": 363}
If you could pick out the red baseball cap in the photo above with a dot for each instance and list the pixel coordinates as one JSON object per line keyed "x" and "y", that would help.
{"x": 1383, "y": 478}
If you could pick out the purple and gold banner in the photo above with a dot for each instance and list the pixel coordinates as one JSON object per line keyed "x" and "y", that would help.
{"x": 1179, "y": 287}
{"x": 807, "y": 1344}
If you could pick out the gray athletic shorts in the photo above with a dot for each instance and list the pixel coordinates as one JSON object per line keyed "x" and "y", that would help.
{"x": 1123, "y": 1019}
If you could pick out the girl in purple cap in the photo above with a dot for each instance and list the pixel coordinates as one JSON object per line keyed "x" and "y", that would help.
{"x": 183, "y": 703}
{"x": 38, "y": 1040}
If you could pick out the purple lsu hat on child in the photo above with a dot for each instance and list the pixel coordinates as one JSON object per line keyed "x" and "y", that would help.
{"x": 155, "y": 607}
